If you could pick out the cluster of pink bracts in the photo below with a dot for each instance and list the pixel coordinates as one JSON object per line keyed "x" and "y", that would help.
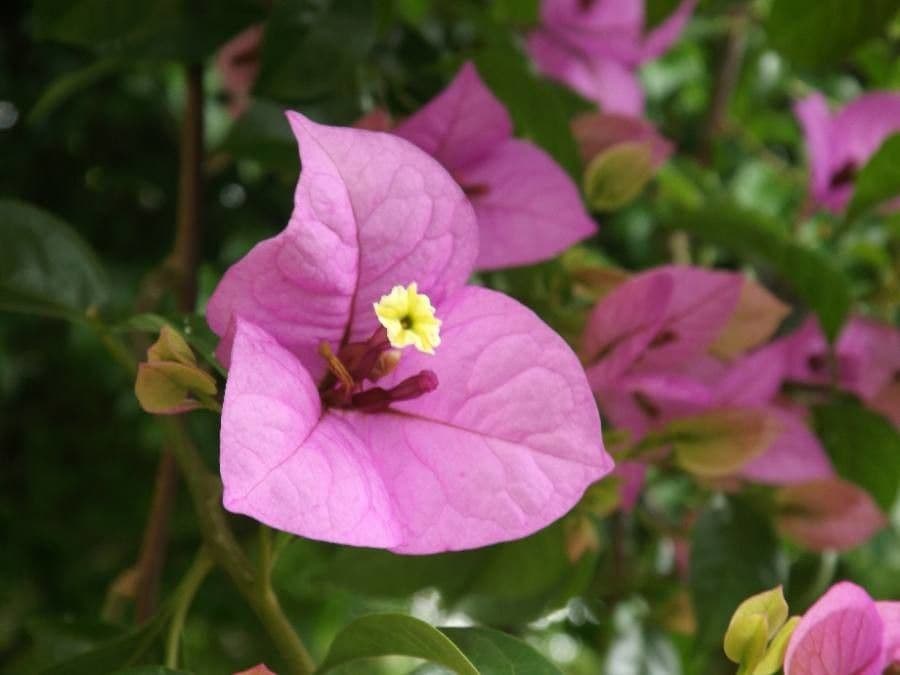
{"x": 677, "y": 341}
{"x": 510, "y": 438}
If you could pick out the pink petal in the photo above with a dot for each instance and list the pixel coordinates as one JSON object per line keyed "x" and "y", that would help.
{"x": 796, "y": 456}
{"x": 284, "y": 463}
{"x": 623, "y": 324}
{"x": 460, "y": 125}
{"x": 829, "y": 514}
{"x": 256, "y": 670}
{"x": 875, "y": 347}
{"x": 506, "y": 444}
{"x": 841, "y": 633}
{"x": 815, "y": 118}
{"x": 754, "y": 379}
{"x": 890, "y": 615}
{"x": 529, "y": 209}
{"x": 702, "y": 302}
{"x": 607, "y": 28}
{"x": 606, "y": 81}
{"x": 867, "y": 353}
{"x": 238, "y": 63}
{"x": 843, "y": 143}
{"x": 359, "y": 227}
{"x": 661, "y": 38}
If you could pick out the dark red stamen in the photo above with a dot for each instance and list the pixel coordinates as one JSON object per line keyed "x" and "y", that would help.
{"x": 370, "y": 360}
{"x": 360, "y": 358}
{"x": 378, "y": 399}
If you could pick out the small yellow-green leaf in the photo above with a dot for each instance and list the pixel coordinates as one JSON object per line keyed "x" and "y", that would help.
{"x": 171, "y": 346}
{"x": 745, "y": 641}
{"x": 616, "y": 176}
{"x": 774, "y": 657}
{"x": 164, "y": 387}
{"x": 770, "y": 605}
{"x": 718, "y": 443}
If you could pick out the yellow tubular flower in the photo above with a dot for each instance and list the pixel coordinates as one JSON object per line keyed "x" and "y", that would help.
{"x": 409, "y": 319}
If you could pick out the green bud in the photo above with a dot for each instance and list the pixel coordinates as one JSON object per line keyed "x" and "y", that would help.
{"x": 171, "y": 382}
{"x": 165, "y": 387}
{"x": 171, "y": 346}
{"x": 754, "y": 623}
{"x": 774, "y": 658}
{"x": 745, "y": 641}
{"x": 617, "y": 175}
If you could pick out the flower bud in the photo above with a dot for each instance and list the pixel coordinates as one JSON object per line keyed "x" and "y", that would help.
{"x": 754, "y": 623}
{"x": 617, "y": 176}
{"x": 170, "y": 381}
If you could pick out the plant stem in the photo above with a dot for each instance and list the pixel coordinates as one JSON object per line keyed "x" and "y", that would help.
{"x": 184, "y": 596}
{"x": 254, "y": 585}
{"x": 732, "y": 57}
{"x": 185, "y": 257}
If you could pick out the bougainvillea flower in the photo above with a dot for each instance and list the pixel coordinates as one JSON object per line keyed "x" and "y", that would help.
{"x": 657, "y": 319}
{"x": 595, "y": 47}
{"x": 596, "y": 132}
{"x": 845, "y": 631}
{"x": 332, "y": 431}
{"x": 865, "y": 360}
{"x": 238, "y": 64}
{"x": 528, "y": 208}
{"x": 838, "y": 145}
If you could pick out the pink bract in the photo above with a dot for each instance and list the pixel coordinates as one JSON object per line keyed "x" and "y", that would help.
{"x": 843, "y": 632}
{"x": 839, "y": 144}
{"x": 506, "y": 443}
{"x": 528, "y": 208}
{"x": 238, "y": 64}
{"x": 596, "y": 47}
{"x": 866, "y": 356}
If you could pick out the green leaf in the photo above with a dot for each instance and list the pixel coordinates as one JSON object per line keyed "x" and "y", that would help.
{"x": 509, "y": 584}
{"x": 822, "y": 32}
{"x": 734, "y": 554}
{"x": 879, "y": 179}
{"x": 618, "y": 175}
{"x": 521, "y": 13}
{"x": 395, "y": 635}
{"x": 811, "y": 273}
{"x": 163, "y": 29}
{"x": 864, "y": 447}
{"x": 536, "y": 107}
{"x": 66, "y": 86}
{"x": 494, "y": 652}
{"x": 263, "y": 134}
{"x": 521, "y": 580}
{"x": 657, "y": 11}
{"x": 45, "y": 267}
{"x": 299, "y": 40}
{"x": 115, "y": 654}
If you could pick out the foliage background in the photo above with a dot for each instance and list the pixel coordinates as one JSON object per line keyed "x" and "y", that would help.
{"x": 89, "y": 125}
